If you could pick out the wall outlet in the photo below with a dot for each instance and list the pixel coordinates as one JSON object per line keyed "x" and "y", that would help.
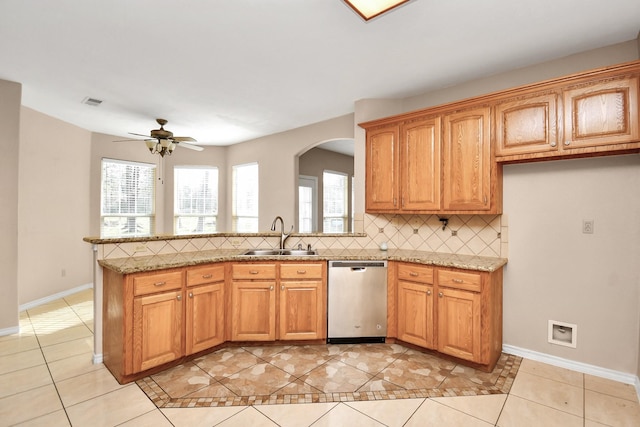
{"x": 140, "y": 248}
{"x": 587, "y": 226}
{"x": 235, "y": 243}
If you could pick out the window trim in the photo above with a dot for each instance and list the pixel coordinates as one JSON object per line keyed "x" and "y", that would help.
{"x": 214, "y": 202}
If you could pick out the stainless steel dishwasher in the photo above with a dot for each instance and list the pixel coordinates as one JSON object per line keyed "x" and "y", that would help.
{"x": 357, "y": 306}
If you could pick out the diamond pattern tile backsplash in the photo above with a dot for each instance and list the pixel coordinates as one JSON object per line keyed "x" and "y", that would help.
{"x": 484, "y": 235}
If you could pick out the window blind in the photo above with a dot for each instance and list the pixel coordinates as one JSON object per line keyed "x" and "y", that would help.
{"x": 195, "y": 199}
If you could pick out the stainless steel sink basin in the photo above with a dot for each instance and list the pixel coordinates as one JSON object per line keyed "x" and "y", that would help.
{"x": 280, "y": 252}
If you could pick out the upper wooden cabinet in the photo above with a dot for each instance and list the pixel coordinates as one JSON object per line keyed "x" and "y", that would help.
{"x": 467, "y": 161}
{"x": 603, "y": 112}
{"x": 420, "y": 165}
{"x": 382, "y": 176}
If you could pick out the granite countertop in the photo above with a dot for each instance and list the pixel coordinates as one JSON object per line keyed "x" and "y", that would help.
{"x": 184, "y": 259}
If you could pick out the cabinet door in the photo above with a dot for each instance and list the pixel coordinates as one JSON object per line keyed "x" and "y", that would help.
{"x": 205, "y": 317}
{"x": 601, "y": 113}
{"x": 415, "y": 313}
{"x": 382, "y": 175}
{"x": 459, "y": 324}
{"x": 253, "y": 311}
{"x": 301, "y": 310}
{"x": 466, "y": 162}
{"x": 157, "y": 329}
{"x": 525, "y": 126}
{"x": 420, "y": 161}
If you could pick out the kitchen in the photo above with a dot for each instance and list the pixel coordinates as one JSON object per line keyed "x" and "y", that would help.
{"x": 542, "y": 279}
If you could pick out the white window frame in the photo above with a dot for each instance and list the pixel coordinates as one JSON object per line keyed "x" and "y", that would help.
{"x": 328, "y": 216}
{"x": 245, "y": 206}
{"x": 306, "y": 181}
{"x": 202, "y": 215}
{"x": 127, "y": 221}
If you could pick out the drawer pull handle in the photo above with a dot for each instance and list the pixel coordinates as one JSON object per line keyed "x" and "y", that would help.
{"x": 414, "y": 274}
{"x": 159, "y": 283}
{"x": 301, "y": 271}
{"x": 457, "y": 280}
{"x": 190, "y": 294}
{"x": 207, "y": 276}
{"x": 253, "y": 271}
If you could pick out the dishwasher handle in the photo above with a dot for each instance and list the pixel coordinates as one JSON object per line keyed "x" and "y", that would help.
{"x": 357, "y": 265}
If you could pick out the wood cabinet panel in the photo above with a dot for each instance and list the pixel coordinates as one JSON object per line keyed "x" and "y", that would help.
{"x": 420, "y": 165}
{"x": 253, "y": 310}
{"x": 415, "y": 313}
{"x": 527, "y": 125}
{"x": 205, "y": 317}
{"x": 467, "y": 161}
{"x": 468, "y": 281}
{"x": 601, "y": 113}
{"x": 301, "y": 271}
{"x": 160, "y": 281}
{"x": 301, "y": 310}
{"x": 251, "y": 271}
{"x": 459, "y": 324}
{"x": 207, "y": 274}
{"x": 157, "y": 329}
{"x": 415, "y": 273}
{"x": 382, "y": 169}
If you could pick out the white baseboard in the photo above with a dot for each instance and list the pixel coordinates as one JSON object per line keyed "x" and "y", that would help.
{"x": 575, "y": 366}
{"x": 9, "y": 331}
{"x": 97, "y": 358}
{"x": 54, "y": 297}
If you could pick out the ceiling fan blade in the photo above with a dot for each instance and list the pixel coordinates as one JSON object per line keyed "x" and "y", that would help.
{"x": 189, "y": 146}
{"x": 129, "y": 140}
{"x": 139, "y": 134}
{"x": 183, "y": 139}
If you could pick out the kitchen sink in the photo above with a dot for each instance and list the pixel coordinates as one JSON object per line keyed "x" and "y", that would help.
{"x": 280, "y": 252}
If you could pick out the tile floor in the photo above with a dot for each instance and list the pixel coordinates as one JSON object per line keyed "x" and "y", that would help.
{"x": 47, "y": 379}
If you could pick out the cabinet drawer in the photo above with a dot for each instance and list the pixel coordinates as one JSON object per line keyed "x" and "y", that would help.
{"x": 253, "y": 271}
{"x": 468, "y": 281}
{"x": 415, "y": 273}
{"x": 160, "y": 282}
{"x": 301, "y": 271}
{"x": 207, "y": 274}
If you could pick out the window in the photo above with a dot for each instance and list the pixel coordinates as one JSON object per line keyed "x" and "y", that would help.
{"x": 245, "y": 198}
{"x": 335, "y": 206}
{"x": 127, "y": 199}
{"x": 307, "y": 204}
{"x": 195, "y": 202}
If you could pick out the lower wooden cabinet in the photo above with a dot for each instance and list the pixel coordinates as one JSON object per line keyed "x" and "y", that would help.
{"x": 456, "y": 312}
{"x": 279, "y": 301}
{"x": 205, "y": 308}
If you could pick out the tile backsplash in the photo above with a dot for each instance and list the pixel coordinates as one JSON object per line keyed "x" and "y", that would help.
{"x": 484, "y": 235}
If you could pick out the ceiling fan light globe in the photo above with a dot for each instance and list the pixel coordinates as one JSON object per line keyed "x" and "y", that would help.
{"x": 165, "y": 143}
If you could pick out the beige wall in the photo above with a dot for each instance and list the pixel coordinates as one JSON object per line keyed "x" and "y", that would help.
{"x": 53, "y": 209}
{"x": 10, "y": 98}
{"x": 276, "y": 155}
{"x": 314, "y": 162}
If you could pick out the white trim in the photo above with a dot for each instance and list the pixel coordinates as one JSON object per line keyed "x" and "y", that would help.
{"x": 54, "y": 297}
{"x": 98, "y": 358}
{"x": 9, "y": 331}
{"x": 575, "y": 366}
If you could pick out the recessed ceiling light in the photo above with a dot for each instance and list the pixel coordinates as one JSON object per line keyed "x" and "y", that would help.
{"x": 92, "y": 101}
{"x": 369, "y": 9}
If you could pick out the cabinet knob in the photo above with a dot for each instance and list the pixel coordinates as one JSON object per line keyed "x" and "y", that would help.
{"x": 282, "y": 287}
{"x": 485, "y": 200}
{"x": 440, "y": 294}
{"x": 159, "y": 283}
{"x": 271, "y": 287}
{"x": 567, "y": 143}
{"x": 207, "y": 276}
{"x": 179, "y": 297}
{"x": 553, "y": 143}
{"x": 190, "y": 294}
{"x": 428, "y": 292}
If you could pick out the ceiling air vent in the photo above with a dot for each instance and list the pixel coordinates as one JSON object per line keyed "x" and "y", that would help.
{"x": 92, "y": 101}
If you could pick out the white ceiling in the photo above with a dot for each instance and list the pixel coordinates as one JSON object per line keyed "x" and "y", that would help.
{"x": 228, "y": 71}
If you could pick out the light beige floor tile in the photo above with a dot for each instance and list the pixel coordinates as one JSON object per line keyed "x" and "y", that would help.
{"x": 295, "y": 415}
{"x": 487, "y": 408}
{"x": 18, "y": 345}
{"x": 24, "y": 379}
{"x": 64, "y": 335}
{"x": 610, "y": 387}
{"x": 55, "y": 419}
{"x": 552, "y": 372}
{"x": 389, "y": 412}
{"x": 548, "y": 392}
{"x": 343, "y": 415}
{"x": 589, "y": 423}
{"x": 73, "y": 366}
{"x": 249, "y": 416}
{"x": 520, "y": 412}
{"x": 154, "y": 418}
{"x": 48, "y": 323}
{"x": 48, "y": 307}
{"x": 87, "y": 386}
{"x": 199, "y": 417}
{"x": 80, "y": 298}
{"x": 111, "y": 409}
{"x": 432, "y": 413}
{"x": 20, "y": 407}
{"x": 68, "y": 349}
{"x": 610, "y": 410}
{"x": 17, "y": 361}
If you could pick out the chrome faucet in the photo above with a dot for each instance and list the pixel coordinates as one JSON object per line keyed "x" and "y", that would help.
{"x": 283, "y": 235}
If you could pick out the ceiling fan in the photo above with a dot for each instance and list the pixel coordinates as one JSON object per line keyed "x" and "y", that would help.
{"x": 161, "y": 141}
